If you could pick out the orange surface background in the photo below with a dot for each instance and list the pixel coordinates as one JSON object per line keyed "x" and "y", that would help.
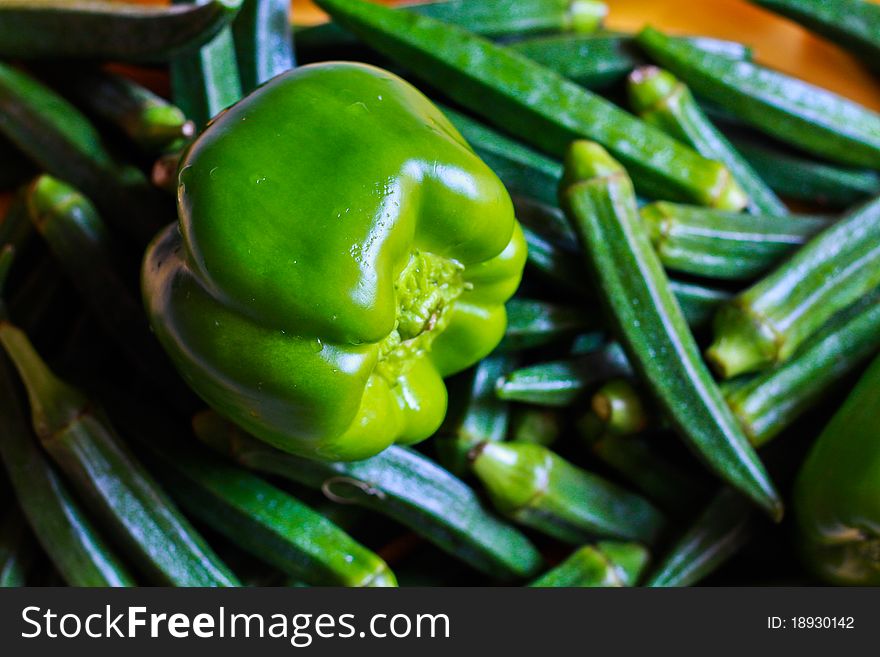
{"x": 777, "y": 42}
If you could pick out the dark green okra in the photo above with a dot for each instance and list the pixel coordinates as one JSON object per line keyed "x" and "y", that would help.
{"x": 482, "y": 417}
{"x": 492, "y": 18}
{"x": 16, "y": 548}
{"x": 532, "y": 323}
{"x": 599, "y": 200}
{"x": 398, "y": 483}
{"x": 74, "y": 546}
{"x": 60, "y": 140}
{"x": 78, "y": 239}
{"x": 66, "y": 29}
{"x": 606, "y": 564}
{"x": 524, "y": 171}
{"x": 110, "y": 480}
{"x": 854, "y": 24}
{"x": 664, "y": 101}
{"x": 724, "y": 245}
{"x": 258, "y": 517}
{"x": 263, "y": 41}
{"x": 769, "y": 402}
{"x": 765, "y": 324}
{"x": 151, "y": 122}
{"x": 784, "y": 107}
{"x": 206, "y": 81}
{"x": 562, "y": 382}
{"x": 535, "y": 487}
{"x": 716, "y": 535}
{"x": 534, "y": 103}
{"x": 798, "y": 178}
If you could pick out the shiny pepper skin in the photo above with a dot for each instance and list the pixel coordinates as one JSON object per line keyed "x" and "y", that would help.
{"x": 340, "y": 249}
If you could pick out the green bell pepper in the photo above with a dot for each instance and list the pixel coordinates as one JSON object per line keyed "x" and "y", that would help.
{"x": 340, "y": 250}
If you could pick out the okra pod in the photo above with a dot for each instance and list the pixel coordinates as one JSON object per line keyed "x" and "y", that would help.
{"x": 854, "y": 24}
{"x": 606, "y": 564}
{"x": 149, "y": 121}
{"x": 482, "y": 417}
{"x": 398, "y": 483}
{"x": 206, "y": 81}
{"x": 261, "y": 519}
{"x": 837, "y": 507}
{"x": 716, "y": 535}
{"x": 786, "y": 108}
{"x": 766, "y": 323}
{"x": 78, "y": 239}
{"x": 60, "y": 140}
{"x": 533, "y": 323}
{"x": 85, "y": 29}
{"x": 535, "y": 487}
{"x": 799, "y": 178}
{"x": 770, "y": 401}
{"x": 664, "y": 101}
{"x": 600, "y": 202}
{"x": 562, "y": 382}
{"x": 263, "y": 41}
{"x": 492, "y": 18}
{"x": 534, "y": 103}
{"x": 724, "y": 245}
{"x": 64, "y": 532}
{"x": 523, "y": 171}
{"x": 111, "y": 481}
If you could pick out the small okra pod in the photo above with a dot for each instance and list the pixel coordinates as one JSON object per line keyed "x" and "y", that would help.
{"x": 82, "y": 29}
{"x": 599, "y": 200}
{"x": 664, "y": 101}
{"x": 724, "y": 245}
{"x": 149, "y": 121}
{"x": 112, "y": 483}
{"x": 537, "y": 488}
{"x": 765, "y": 324}
{"x": 606, "y": 564}
{"x": 716, "y": 535}
{"x": 562, "y": 382}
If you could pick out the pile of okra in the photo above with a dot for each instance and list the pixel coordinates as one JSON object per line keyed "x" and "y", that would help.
{"x": 699, "y": 299}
